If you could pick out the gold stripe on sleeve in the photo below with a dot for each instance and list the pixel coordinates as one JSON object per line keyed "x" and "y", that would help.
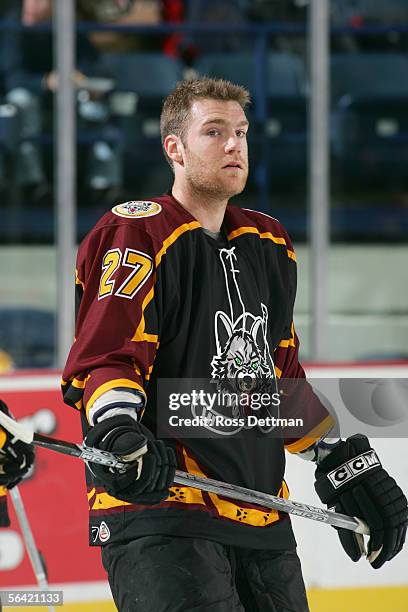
{"x": 290, "y": 341}
{"x": 111, "y": 384}
{"x": 78, "y": 280}
{"x": 140, "y": 335}
{"x": 315, "y": 434}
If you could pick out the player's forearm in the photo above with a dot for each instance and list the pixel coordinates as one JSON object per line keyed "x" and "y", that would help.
{"x": 320, "y": 449}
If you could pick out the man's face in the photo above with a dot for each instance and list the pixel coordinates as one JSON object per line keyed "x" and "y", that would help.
{"x": 36, "y": 11}
{"x": 215, "y": 150}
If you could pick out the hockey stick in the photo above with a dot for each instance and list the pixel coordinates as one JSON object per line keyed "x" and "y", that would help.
{"x": 32, "y": 550}
{"x": 183, "y": 478}
{"x": 60, "y": 446}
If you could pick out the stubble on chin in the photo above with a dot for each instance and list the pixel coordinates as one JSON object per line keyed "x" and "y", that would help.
{"x": 212, "y": 186}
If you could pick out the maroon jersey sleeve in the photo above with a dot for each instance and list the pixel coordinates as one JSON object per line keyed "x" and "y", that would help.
{"x": 117, "y": 318}
{"x": 299, "y": 399}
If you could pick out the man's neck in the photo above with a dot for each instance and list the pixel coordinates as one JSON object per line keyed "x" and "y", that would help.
{"x": 207, "y": 210}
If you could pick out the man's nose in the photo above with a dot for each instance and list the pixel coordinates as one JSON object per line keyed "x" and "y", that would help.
{"x": 233, "y": 144}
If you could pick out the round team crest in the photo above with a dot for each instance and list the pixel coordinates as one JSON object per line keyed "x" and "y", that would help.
{"x": 137, "y": 208}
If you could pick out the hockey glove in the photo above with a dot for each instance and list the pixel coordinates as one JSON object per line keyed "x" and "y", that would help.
{"x": 124, "y": 436}
{"x": 16, "y": 457}
{"x": 352, "y": 480}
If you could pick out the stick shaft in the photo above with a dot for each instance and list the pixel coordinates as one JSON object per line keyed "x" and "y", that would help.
{"x": 205, "y": 484}
{"x": 94, "y": 455}
{"x": 32, "y": 550}
{"x": 80, "y": 451}
{"x": 215, "y": 486}
{"x": 271, "y": 501}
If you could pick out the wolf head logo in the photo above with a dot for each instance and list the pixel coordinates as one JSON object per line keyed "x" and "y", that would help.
{"x": 239, "y": 362}
{"x": 242, "y": 364}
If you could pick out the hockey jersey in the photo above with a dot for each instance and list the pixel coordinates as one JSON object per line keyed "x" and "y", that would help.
{"x": 159, "y": 299}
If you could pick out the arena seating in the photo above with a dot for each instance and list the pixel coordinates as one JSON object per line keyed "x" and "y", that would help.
{"x": 370, "y": 117}
{"x": 278, "y": 138}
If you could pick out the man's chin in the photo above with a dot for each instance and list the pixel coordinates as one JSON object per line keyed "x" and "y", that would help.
{"x": 237, "y": 190}
{"x": 233, "y": 188}
{"x": 224, "y": 190}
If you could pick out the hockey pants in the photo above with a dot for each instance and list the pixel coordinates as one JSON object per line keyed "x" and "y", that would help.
{"x": 159, "y": 573}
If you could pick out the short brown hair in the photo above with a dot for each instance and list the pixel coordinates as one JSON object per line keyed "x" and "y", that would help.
{"x": 177, "y": 105}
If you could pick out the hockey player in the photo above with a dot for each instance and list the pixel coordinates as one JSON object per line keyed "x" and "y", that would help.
{"x": 186, "y": 286}
{"x": 16, "y": 458}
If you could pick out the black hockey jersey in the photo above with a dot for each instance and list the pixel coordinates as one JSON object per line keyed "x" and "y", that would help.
{"x": 159, "y": 299}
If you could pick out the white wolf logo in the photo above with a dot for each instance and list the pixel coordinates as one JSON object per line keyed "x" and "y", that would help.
{"x": 242, "y": 363}
{"x": 239, "y": 360}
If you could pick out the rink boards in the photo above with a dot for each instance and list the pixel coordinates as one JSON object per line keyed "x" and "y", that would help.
{"x": 56, "y": 505}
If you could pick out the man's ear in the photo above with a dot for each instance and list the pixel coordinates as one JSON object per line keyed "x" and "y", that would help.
{"x": 174, "y": 148}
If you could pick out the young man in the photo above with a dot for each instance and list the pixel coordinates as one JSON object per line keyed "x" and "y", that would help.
{"x": 186, "y": 286}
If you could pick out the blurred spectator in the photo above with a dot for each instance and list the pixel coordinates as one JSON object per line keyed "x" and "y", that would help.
{"x": 104, "y": 10}
{"x": 173, "y": 11}
{"x": 33, "y": 57}
{"x": 30, "y": 80}
{"x": 122, "y": 12}
{"x": 115, "y": 45}
{"x": 23, "y": 84}
{"x": 133, "y": 12}
{"x": 36, "y": 11}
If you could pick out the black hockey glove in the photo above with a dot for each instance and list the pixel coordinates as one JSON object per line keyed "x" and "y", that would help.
{"x": 16, "y": 457}
{"x": 123, "y": 436}
{"x": 352, "y": 480}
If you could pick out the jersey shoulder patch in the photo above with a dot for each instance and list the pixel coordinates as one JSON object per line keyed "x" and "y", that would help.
{"x": 137, "y": 209}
